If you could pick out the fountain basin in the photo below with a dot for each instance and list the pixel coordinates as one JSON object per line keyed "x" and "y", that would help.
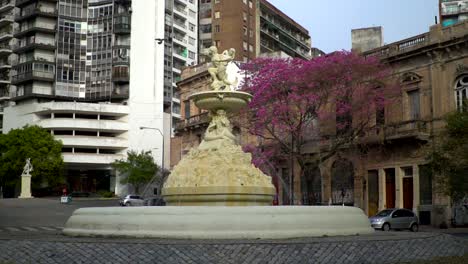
{"x": 219, "y": 196}
{"x": 218, "y": 222}
{"x": 230, "y": 101}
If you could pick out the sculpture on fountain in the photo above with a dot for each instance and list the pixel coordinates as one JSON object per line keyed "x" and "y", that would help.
{"x": 219, "y": 66}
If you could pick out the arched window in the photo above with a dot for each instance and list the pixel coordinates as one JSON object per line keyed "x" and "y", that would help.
{"x": 461, "y": 92}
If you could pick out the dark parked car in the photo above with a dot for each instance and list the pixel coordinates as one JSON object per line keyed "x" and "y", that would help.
{"x": 154, "y": 201}
{"x": 395, "y": 219}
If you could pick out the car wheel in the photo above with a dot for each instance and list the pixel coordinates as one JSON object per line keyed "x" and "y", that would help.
{"x": 128, "y": 204}
{"x": 414, "y": 228}
{"x": 386, "y": 227}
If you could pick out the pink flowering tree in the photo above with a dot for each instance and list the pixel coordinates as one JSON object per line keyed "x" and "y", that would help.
{"x": 297, "y": 104}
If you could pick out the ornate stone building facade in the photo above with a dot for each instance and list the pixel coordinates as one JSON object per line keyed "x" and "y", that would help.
{"x": 389, "y": 169}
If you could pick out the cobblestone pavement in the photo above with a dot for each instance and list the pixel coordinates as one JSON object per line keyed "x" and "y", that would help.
{"x": 391, "y": 247}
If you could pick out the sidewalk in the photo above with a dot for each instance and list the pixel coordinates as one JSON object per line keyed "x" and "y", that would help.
{"x": 450, "y": 230}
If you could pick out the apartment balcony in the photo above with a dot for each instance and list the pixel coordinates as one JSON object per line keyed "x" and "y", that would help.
{"x": 90, "y": 158}
{"x": 21, "y": 3}
{"x": 180, "y": 40}
{"x": 34, "y": 28}
{"x": 4, "y": 94}
{"x": 5, "y": 77}
{"x": 6, "y": 20}
{"x": 193, "y": 122}
{"x": 5, "y": 50}
{"x": 284, "y": 31}
{"x": 180, "y": 25}
{"x": 182, "y": 12}
{"x": 32, "y": 45}
{"x": 122, "y": 24}
{"x": 90, "y": 141}
{"x": 6, "y": 5}
{"x": 182, "y": 2}
{"x": 33, "y": 75}
{"x": 413, "y": 129}
{"x": 121, "y": 74}
{"x": 5, "y": 66}
{"x": 6, "y": 35}
{"x": 84, "y": 124}
{"x": 36, "y": 12}
{"x": 123, "y": 2}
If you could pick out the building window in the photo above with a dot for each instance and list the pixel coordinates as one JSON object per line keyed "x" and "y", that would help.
{"x": 414, "y": 107}
{"x": 191, "y": 55}
{"x": 250, "y": 48}
{"x": 245, "y": 30}
{"x": 217, "y": 14}
{"x": 186, "y": 109}
{"x": 192, "y": 27}
{"x": 244, "y": 16}
{"x": 245, "y": 46}
{"x": 250, "y": 4}
{"x": 245, "y": 1}
{"x": 217, "y": 29}
{"x": 217, "y": 1}
{"x": 204, "y": 29}
{"x": 461, "y": 93}
{"x": 217, "y": 43}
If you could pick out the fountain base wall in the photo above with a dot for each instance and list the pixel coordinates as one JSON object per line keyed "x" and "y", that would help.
{"x": 219, "y": 222}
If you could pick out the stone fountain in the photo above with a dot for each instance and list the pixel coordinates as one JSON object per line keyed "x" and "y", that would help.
{"x": 215, "y": 192}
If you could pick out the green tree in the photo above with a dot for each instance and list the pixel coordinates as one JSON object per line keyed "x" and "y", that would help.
{"x": 30, "y": 142}
{"x": 449, "y": 156}
{"x": 138, "y": 168}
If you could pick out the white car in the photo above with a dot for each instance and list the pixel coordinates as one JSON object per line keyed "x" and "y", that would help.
{"x": 132, "y": 200}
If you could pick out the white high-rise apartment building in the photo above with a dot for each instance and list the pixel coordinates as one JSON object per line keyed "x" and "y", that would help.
{"x": 92, "y": 73}
{"x": 181, "y": 48}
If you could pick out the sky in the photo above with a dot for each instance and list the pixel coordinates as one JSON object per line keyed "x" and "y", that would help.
{"x": 330, "y": 21}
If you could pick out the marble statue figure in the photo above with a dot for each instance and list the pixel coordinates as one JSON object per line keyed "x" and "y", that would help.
{"x": 219, "y": 66}
{"x": 28, "y": 167}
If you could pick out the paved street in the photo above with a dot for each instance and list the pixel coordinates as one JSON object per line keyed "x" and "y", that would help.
{"x": 390, "y": 247}
{"x": 30, "y": 232}
{"x": 43, "y": 212}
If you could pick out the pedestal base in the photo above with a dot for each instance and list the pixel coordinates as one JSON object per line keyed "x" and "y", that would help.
{"x": 219, "y": 222}
{"x": 25, "y": 187}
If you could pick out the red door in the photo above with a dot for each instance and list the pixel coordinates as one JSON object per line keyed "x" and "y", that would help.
{"x": 390, "y": 188}
{"x": 408, "y": 193}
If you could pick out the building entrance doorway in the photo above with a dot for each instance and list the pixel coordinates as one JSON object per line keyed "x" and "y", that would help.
{"x": 373, "y": 192}
{"x": 408, "y": 193}
{"x": 390, "y": 188}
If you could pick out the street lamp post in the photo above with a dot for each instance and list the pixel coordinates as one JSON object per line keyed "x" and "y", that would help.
{"x": 163, "y": 141}
{"x": 162, "y": 161}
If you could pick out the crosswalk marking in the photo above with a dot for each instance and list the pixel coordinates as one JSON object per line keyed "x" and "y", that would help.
{"x": 29, "y": 228}
{"x": 12, "y": 229}
{"x": 47, "y": 228}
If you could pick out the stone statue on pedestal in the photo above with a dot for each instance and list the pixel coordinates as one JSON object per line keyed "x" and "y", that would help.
{"x": 26, "y": 180}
